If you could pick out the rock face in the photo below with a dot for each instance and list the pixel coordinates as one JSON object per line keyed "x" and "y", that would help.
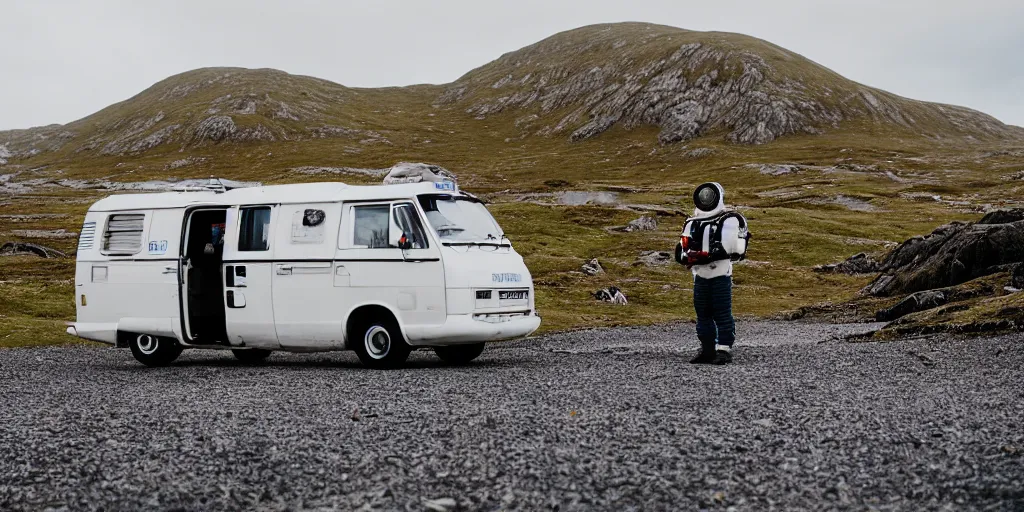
{"x": 953, "y": 254}
{"x": 687, "y": 83}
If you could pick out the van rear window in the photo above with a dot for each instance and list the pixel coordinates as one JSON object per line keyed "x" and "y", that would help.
{"x": 254, "y": 233}
{"x": 124, "y": 233}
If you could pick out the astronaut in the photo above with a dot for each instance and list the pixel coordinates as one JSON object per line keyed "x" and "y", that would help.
{"x": 711, "y": 240}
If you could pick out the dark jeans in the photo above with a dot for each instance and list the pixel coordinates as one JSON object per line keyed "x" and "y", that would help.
{"x": 712, "y": 299}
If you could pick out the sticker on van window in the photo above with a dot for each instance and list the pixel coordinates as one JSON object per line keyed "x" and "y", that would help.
{"x": 445, "y": 185}
{"x": 158, "y": 247}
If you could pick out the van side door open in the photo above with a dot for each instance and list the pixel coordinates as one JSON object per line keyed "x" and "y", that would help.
{"x": 247, "y": 273}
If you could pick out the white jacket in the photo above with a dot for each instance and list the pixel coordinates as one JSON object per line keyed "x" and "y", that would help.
{"x": 731, "y": 240}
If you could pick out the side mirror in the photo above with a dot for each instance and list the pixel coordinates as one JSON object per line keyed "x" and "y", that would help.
{"x": 404, "y": 243}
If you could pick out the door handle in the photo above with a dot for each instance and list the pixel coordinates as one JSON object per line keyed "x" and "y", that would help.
{"x": 284, "y": 270}
{"x": 170, "y": 270}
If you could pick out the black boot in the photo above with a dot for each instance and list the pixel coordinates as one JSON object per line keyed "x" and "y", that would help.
{"x": 706, "y": 355}
{"x": 723, "y": 357}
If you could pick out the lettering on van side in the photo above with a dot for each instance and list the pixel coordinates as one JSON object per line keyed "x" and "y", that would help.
{"x": 444, "y": 185}
{"x": 506, "y": 277}
{"x": 158, "y": 247}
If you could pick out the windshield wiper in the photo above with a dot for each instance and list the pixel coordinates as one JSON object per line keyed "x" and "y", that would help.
{"x": 486, "y": 244}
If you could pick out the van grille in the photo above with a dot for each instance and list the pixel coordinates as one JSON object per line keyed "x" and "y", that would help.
{"x": 124, "y": 233}
{"x": 87, "y": 236}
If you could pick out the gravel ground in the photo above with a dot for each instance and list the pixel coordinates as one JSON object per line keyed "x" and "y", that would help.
{"x": 606, "y": 419}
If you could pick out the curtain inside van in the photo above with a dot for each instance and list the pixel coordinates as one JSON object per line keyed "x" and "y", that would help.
{"x": 124, "y": 233}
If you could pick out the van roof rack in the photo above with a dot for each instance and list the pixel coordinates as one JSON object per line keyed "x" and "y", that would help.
{"x": 218, "y": 185}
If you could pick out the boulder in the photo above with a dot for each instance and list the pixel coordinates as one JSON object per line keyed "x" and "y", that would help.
{"x": 914, "y": 302}
{"x": 857, "y": 264}
{"x": 952, "y": 254}
{"x": 644, "y": 223}
{"x": 592, "y": 267}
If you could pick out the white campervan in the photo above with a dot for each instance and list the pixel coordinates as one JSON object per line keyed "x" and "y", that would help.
{"x": 379, "y": 269}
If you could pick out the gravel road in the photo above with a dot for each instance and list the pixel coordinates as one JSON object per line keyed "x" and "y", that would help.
{"x": 606, "y": 419}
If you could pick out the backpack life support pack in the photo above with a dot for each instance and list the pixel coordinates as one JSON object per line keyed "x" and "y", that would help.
{"x": 692, "y": 250}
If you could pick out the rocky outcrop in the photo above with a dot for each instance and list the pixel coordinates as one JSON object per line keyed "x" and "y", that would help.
{"x": 953, "y": 254}
{"x": 857, "y": 264}
{"x": 688, "y": 84}
{"x": 215, "y": 129}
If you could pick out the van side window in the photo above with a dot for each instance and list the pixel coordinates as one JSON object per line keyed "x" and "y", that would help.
{"x": 254, "y": 232}
{"x": 371, "y": 226}
{"x": 308, "y": 226}
{"x": 409, "y": 222}
{"x": 124, "y": 233}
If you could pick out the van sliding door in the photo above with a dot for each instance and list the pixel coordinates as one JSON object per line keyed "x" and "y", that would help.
{"x": 247, "y": 271}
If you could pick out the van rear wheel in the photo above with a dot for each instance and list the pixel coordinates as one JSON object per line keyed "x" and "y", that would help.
{"x": 154, "y": 351}
{"x": 459, "y": 354}
{"x": 380, "y": 345}
{"x": 252, "y": 355}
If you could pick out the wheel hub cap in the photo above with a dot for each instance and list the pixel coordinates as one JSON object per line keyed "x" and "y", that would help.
{"x": 377, "y": 342}
{"x": 147, "y": 344}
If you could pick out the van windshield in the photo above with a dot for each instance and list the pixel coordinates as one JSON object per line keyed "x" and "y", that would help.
{"x": 460, "y": 220}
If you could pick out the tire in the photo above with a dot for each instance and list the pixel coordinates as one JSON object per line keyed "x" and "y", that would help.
{"x": 459, "y": 354}
{"x": 252, "y": 355}
{"x": 380, "y": 345}
{"x": 154, "y": 351}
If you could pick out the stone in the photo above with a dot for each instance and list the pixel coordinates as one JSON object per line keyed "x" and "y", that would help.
{"x": 644, "y": 223}
{"x": 592, "y": 267}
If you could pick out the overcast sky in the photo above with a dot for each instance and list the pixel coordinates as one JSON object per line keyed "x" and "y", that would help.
{"x": 61, "y": 61}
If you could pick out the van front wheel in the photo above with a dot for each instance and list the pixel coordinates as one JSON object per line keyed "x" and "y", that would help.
{"x": 459, "y": 354}
{"x": 381, "y": 345}
{"x": 154, "y": 351}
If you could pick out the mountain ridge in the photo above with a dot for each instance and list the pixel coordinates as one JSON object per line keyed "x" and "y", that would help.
{"x": 575, "y": 84}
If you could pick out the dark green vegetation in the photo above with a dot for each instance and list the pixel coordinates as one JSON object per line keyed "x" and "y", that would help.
{"x": 848, "y": 175}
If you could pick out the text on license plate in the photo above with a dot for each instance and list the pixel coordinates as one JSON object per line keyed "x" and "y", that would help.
{"x": 513, "y": 295}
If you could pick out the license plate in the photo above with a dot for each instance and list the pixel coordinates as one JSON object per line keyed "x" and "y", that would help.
{"x": 513, "y": 295}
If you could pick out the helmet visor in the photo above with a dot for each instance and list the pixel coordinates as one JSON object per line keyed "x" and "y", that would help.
{"x": 706, "y": 197}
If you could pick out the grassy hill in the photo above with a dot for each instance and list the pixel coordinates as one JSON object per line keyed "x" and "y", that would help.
{"x": 636, "y": 115}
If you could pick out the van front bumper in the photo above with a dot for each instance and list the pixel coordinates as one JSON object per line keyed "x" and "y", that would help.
{"x": 460, "y": 329}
